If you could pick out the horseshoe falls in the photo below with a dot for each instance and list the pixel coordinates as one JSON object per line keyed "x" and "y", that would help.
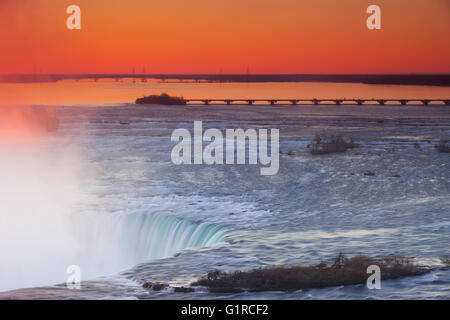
{"x": 60, "y": 224}
{"x": 103, "y": 194}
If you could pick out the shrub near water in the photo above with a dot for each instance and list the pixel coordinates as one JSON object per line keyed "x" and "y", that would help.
{"x": 443, "y": 146}
{"x": 341, "y": 271}
{"x": 163, "y": 99}
{"x": 330, "y": 144}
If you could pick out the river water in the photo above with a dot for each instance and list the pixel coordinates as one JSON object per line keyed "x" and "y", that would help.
{"x": 102, "y": 193}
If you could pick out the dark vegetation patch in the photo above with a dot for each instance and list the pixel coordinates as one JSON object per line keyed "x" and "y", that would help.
{"x": 160, "y": 286}
{"x": 154, "y": 286}
{"x": 445, "y": 261}
{"x": 340, "y": 271}
{"x": 162, "y": 98}
{"x": 443, "y": 146}
{"x": 184, "y": 289}
{"x": 288, "y": 152}
{"x": 330, "y": 144}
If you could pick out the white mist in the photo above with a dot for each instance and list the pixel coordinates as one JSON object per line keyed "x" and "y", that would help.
{"x": 38, "y": 188}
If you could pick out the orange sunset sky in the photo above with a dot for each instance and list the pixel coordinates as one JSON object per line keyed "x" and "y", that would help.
{"x": 226, "y": 36}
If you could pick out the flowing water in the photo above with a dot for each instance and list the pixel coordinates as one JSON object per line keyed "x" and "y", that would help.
{"x": 102, "y": 193}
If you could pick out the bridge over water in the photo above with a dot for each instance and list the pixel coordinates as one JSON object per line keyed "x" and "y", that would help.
{"x": 319, "y": 101}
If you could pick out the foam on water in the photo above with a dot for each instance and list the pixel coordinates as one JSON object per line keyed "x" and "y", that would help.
{"x": 123, "y": 240}
{"x": 139, "y": 207}
{"x": 43, "y": 230}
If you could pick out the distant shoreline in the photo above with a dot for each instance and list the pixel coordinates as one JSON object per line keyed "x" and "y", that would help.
{"x": 386, "y": 79}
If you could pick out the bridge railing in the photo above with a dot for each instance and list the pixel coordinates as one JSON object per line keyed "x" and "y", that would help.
{"x": 315, "y": 101}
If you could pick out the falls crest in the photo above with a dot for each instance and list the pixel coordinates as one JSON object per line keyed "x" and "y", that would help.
{"x": 155, "y": 236}
{"x": 124, "y": 240}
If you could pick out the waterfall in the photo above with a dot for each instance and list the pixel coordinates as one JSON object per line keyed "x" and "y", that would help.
{"x": 44, "y": 229}
{"x": 158, "y": 236}
{"x": 113, "y": 242}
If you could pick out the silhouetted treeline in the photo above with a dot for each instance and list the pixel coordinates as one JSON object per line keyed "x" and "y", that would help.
{"x": 399, "y": 79}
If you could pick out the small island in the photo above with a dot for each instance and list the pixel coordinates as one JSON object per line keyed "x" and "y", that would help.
{"x": 342, "y": 271}
{"x": 163, "y": 99}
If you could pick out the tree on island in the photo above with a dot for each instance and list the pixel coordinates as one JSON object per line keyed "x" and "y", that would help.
{"x": 163, "y": 99}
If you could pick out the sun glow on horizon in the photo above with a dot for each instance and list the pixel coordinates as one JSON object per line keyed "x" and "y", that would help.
{"x": 200, "y": 36}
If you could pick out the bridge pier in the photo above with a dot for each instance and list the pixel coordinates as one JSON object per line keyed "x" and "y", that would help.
{"x": 318, "y": 101}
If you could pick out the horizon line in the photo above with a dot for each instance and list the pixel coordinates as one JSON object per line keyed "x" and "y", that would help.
{"x": 225, "y": 74}
{"x": 435, "y": 79}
